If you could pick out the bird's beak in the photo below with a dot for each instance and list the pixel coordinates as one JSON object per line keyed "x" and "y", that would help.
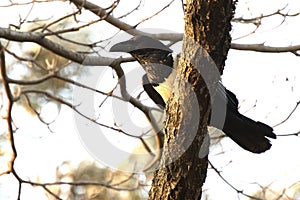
{"x": 138, "y": 43}
{"x": 122, "y": 47}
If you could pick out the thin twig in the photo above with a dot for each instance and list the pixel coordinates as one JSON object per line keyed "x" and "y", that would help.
{"x": 155, "y": 14}
{"x": 8, "y": 108}
{"x": 80, "y": 183}
{"x": 230, "y": 185}
{"x": 116, "y": 65}
{"x": 61, "y": 101}
{"x": 294, "y": 109}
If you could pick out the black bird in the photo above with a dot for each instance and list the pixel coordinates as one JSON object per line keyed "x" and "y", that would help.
{"x": 154, "y": 56}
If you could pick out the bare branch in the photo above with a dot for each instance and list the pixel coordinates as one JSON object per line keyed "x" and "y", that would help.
{"x": 24, "y": 3}
{"x": 50, "y": 76}
{"x": 294, "y": 109}
{"x": 122, "y": 25}
{"x": 257, "y": 20}
{"x": 131, "y": 11}
{"x": 290, "y": 134}
{"x": 264, "y": 48}
{"x": 8, "y": 107}
{"x": 155, "y": 14}
{"x": 50, "y": 192}
{"x": 61, "y": 101}
{"x": 88, "y": 60}
{"x": 82, "y": 183}
{"x": 54, "y": 47}
{"x": 230, "y": 185}
{"x": 248, "y": 34}
{"x": 100, "y": 12}
{"x": 122, "y": 81}
{"x": 30, "y": 60}
{"x": 58, "y": 20}
{"x": 72, "y": 29}
{"x": 104, "y": 61}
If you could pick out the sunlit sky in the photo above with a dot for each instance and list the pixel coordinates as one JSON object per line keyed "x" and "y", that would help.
{"x": 266, "y": 80}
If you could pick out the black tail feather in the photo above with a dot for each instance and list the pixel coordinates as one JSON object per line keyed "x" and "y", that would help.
{"x": 249, "y": 134}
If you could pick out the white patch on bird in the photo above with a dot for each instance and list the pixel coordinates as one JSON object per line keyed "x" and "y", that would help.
{"x": 165, "y": 88}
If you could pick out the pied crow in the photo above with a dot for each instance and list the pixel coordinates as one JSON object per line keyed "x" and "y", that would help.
{"x": 153, "y": 54}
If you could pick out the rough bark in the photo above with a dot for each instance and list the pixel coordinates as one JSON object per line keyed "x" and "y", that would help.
{"x": 183, "y": 171}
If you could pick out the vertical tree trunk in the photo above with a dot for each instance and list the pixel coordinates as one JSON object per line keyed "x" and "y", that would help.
{"x": 183, "y": 171}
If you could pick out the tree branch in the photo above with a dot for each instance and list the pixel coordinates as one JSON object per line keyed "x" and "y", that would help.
{"x": 85, "y": 60}
{"x": 230, "y": 185}
{"x": 122, "y": 81}
{"x": 264, "y": 48}
{"x": 291, "y": 113}
{"x": 100, "y": 12}
{"x": 54, "y": 47}
{"x": 8, "y": 108}
{"x": 81, "y": 183}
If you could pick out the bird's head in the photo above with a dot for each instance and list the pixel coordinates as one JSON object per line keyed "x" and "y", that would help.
{"x": 142, "y": 47}
{"x": 155, "y": 57}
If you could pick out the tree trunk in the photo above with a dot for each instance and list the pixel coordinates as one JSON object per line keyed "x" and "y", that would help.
{"x": 183, "y": 166}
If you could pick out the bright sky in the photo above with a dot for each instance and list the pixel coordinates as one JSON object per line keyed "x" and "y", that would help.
{"x": 269, "y": 79}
